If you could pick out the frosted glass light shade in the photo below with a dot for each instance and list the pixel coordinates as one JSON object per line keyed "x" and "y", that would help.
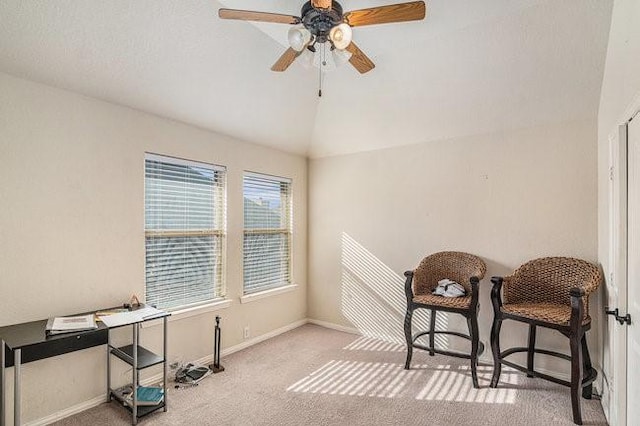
{"x": 307, "y": 59}
{"x": 298, "y": 37}
{"x": 340, "y": 57}
{"x": 341, "y": 36}
{"x": 323, "y": 59}
{"x": 333, "y": 58}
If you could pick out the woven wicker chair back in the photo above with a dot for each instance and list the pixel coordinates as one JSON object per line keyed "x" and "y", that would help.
{"x": 549, "y": 279}
{"x": 455, "y": 265}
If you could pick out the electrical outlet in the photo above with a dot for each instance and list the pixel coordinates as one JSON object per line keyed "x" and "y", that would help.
{"x": 245, "y": 332}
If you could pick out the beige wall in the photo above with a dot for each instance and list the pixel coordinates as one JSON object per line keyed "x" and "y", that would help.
{"x": 507, "y": 197}
{"x": 72, "y": 228}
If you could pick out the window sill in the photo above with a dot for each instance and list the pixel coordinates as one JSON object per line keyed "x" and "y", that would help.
{"x": 181, "y": 314}
{"x": 267, "y": 293}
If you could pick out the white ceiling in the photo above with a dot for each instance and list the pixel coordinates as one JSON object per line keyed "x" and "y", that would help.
{"x": 470, "y": 67}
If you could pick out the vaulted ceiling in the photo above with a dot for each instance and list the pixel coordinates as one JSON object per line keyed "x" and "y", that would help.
{"x": 470, "y": 67}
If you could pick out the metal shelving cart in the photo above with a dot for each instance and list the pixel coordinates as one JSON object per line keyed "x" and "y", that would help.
{"x": 138, "y": 358}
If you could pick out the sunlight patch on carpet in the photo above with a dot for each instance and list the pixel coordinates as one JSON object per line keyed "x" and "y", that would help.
{"x": 455, "y": 384}
{"x": 375, "y": 379}
{"x": 422, "y": 382}
{"x": 375, "y": 345}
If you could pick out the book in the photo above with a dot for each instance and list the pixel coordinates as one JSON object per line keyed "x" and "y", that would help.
{"x": 60, "y": 325}
{"x": 147, "y": 395}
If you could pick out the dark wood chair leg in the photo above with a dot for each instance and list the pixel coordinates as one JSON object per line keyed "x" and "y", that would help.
{"x": 531, "y": 351}
{"x": 576, "y": 334}
{"x": 587, "y": 391}
{"x": 432, "y": 329}
{"x": 496, "y": 302}
{"x": 408, "y": 336}
{"x": 576, "y": 377}
{"x": 495, "y": 349}
{"x": 474, "y": 334}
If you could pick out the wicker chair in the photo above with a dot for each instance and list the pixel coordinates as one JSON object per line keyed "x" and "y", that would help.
{"x": 551, "y": 292}
{"x": 467, "y": 270}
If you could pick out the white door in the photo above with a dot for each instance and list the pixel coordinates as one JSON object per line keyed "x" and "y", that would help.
{"x": 633, "y": 272}
{"x": 615, "y": 342}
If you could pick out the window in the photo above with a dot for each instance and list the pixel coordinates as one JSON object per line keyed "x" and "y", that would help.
{"x": 184, "y": 231}
{"x": 267, "y": 232}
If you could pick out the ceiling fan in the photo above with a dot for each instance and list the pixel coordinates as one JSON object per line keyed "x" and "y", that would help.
{"x": 323, "y": 21}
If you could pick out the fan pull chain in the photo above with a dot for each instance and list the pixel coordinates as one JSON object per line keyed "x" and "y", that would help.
{"x": 323, "y": 63}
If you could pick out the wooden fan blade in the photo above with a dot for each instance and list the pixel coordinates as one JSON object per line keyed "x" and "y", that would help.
{"x": 400, "y": 12}
{"x": 248, "y": 15}
{"x": 285, "y": 60}
{"x": 321, "y": 4}
{"x": 359, "y": 60}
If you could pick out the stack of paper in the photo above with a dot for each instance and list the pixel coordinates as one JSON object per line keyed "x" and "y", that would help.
{"x": 59, "y": 325}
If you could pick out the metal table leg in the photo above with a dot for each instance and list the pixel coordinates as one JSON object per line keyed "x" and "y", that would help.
{"x": 16, "y": 386}
{"x": 164, "y": 355}
{"x": 109, "y": 367}
{"x": 3, "y": 409}
{"x": 134, "y": 409}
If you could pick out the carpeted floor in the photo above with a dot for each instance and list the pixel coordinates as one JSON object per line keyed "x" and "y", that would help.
{"x": 316, "y": 376}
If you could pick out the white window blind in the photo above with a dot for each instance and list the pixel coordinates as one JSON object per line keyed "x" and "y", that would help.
{"x": 267, "y": 232}
{"x": 184, "y": 231}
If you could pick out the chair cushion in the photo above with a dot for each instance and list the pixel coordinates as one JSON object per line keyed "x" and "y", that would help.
{"x": 548, "y": 312}
{"x": 450, "y": 302}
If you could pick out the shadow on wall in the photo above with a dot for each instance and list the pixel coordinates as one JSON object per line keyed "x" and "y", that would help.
{"x": 373, "y": 297}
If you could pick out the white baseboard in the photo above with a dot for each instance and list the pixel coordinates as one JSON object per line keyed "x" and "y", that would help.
{"x": 208, "y": 359}
{"x": 70, "y": 411}
{"x": 262, "y": 338}
{"x": 94, "y": 402}
{"x": 333, "y": 326}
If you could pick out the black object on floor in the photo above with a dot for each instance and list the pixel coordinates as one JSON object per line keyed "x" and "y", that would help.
{"x": 216, "y": 367}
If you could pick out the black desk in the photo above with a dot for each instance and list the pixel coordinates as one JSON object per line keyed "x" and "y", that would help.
{"x": 27, "y": 342}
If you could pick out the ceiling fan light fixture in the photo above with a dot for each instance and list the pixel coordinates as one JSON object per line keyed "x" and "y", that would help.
{"x": 324, "y": 60}
{"x": 323, "y": 21}
{"x": 307, "y": 59}
{"x": 340, "y": 57}
{"x": 341, "y": 36}
{"x": 299, "y": 37}
{"x": 333, "y": 58}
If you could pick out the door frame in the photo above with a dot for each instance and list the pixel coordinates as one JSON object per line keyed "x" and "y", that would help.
{"x": 616, "y": 336}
